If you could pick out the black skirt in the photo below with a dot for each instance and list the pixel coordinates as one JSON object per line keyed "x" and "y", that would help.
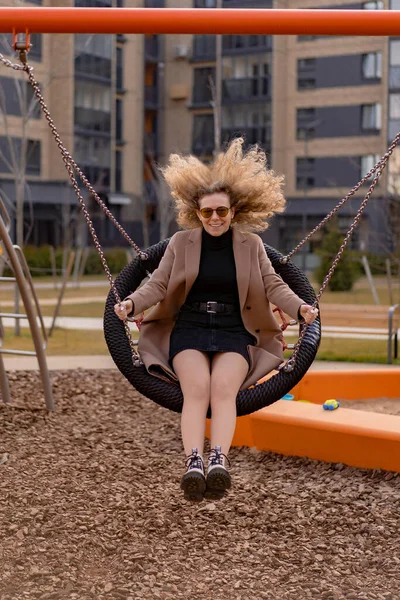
{"x": 210, "y": 333}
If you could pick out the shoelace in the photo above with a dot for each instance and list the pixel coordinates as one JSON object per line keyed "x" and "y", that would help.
{"x": 194, "y": 461}
{"x": 216, "y": 458}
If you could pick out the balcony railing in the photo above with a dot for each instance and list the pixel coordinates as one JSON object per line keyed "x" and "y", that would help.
{"x": 204, "y": 47}
{"x": 252, "y": 135}
{"x": 93, "y": 66}
{"x": 150, "y": 143}
{"x": 89, "y": 119}
{"x": 151, "y": 96}
{"x": 246, "y": 90}
{"x": 151, "y": 48}
{"x": 237, "y": 44}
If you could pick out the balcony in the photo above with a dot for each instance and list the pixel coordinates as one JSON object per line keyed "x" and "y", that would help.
{"x": 150, "y": 97}
{"x": 93, "y": 67}
{"x": 154, "y": 3}
{"x": 204, "y": 48}
{"x": 245, "y": 44}
{"x": 394, "y": 78}
{"x": 247, "y": 3}
{"x": 246, "y": 90}
{"x": 252, "y": 135}
{"x": 91, "y": 120}
{"x": 151, "y": 49}
{"x": 150, "y": 143}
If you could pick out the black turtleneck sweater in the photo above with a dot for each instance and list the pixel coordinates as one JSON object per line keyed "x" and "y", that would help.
{"x": 216, "y": 280}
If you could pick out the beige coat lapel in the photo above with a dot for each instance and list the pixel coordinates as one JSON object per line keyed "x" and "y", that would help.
{"x": 241, "y": 251}
{"x": 192, "y": 258}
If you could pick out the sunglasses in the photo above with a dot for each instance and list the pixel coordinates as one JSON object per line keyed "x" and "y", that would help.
{"x": 221, "y": 211}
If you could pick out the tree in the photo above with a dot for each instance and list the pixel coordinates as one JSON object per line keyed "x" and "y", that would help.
{"x": 346, "y": 271}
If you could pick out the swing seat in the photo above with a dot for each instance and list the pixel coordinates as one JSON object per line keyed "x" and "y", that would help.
{"x": 169, "y": 395}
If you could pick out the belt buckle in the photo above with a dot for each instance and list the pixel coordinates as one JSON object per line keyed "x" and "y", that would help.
{"x": 212, "y": 307}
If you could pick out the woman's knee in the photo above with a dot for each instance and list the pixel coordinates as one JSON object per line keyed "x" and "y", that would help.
{"x": 196, "y": 390}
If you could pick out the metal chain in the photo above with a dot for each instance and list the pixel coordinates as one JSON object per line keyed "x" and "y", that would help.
{"x": 378, "y": 169}
{"x": 71, "y": 166}
{"x": 374, "y": 170}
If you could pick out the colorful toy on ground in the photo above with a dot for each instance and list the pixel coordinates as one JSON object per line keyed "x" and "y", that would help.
{"x": 331, "y": 404}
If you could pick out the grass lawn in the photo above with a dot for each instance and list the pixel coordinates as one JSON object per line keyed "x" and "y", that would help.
{"x": 68, "y": 342}
{"x": 71, "y": 342}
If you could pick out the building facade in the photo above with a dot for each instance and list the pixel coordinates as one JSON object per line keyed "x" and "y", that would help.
{"x": 323, "y": 108}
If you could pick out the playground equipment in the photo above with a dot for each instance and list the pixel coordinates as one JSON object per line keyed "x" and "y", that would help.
{"x": 283, "y": 22}
{"x": 22, "y": 277}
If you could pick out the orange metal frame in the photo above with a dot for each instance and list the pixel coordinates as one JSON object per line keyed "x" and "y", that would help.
{"x": 212, "y": 21}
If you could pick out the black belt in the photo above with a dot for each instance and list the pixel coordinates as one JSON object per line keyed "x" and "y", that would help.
{"x": 212, "y": 307}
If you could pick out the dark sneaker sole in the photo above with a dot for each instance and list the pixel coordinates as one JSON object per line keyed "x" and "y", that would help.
{"x": 193, "y": 486}
{"x": 217, "y": 482}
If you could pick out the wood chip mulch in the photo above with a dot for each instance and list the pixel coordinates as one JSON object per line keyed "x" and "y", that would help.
{"x": 90, "y": 508}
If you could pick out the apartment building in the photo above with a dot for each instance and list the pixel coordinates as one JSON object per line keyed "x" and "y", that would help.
{"x": 93, "y": 87}
{"x": 323, "y": 108}
{"x": 317, "y": 105}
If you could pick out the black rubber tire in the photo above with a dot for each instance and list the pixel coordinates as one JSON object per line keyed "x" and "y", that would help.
{"x": 170, "y": 395}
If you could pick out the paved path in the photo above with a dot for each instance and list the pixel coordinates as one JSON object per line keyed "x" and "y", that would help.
{"x": 96, "y": 324}
{"x": 58, "y": 363}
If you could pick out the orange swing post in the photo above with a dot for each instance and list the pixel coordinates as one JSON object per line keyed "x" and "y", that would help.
{"x": 211, "y": 21}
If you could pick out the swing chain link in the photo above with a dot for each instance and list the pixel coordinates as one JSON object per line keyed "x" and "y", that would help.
{"x": 378, "y": 170}
{"x": 70, "y": 166}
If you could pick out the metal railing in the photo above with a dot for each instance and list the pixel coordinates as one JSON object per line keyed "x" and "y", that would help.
{"x": 22, "y": 277}
{"x": 393, "y": 341}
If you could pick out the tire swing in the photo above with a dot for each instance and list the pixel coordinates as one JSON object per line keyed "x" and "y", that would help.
{"x": 169, "y": 395}
{"x": 117, "y": 333}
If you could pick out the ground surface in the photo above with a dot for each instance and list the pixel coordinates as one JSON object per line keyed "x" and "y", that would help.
{"x": 389, "y": 406}
{"x": 91, "y": 509}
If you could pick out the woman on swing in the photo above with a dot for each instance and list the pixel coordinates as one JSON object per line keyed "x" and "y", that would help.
{"x": 212, "y": 328}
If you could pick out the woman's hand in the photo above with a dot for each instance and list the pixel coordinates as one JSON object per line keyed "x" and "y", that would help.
{"x": 123, "y": 309}
{"x": 309, "y": 313}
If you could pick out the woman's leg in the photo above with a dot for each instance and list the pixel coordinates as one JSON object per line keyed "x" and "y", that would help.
{"x": 228, "y": 371}
{"x": 193, "y": 370}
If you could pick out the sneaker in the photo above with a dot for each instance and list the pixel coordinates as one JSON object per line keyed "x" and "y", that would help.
{"x": 193, "y": 482}
{"x": 218, "y": 479}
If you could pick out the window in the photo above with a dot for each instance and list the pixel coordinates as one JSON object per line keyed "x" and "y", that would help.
{"x": 371, "y": 116}
{"x": 306, "y": 84}
{"x": 306, "y": 79}
{"x": 13, "y": 146}
{"x": 394, "y": 53}
{"x": 305, "y": 177}
{"x": 205, "y": 3}
{"x": 203, "y": 135}
{"x": 119, "y": 121}
{"x": 17, "y": 98}
{"x": 367, "y": 162}
{"x": 394, "y": 106}
{"x": 120, "y": 68}
{"x": 372, "y": 65}
{"x": 90, "y": 95}
{"x": 395, "y": 4}
{"x": 375, "y": 5}
{"x": 305, "y": 64}
{"x": 203, "y": 81}
{"x": 35, "y": 52}
{"x": 118, "y": 171}
{"x": 96, "y": 45}
{"x": 306, "y": 122}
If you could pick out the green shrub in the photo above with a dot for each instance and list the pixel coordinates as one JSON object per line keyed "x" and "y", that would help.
{"x": 39, "y": 261}
{"x": 115, "y": 257}
{"x": 348, "y": 268}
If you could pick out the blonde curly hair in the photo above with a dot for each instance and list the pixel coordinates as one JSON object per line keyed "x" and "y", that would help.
{"x": 254, "y": 190}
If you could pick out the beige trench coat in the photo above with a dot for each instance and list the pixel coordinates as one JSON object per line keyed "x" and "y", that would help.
{"x": 258, "y": 285}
